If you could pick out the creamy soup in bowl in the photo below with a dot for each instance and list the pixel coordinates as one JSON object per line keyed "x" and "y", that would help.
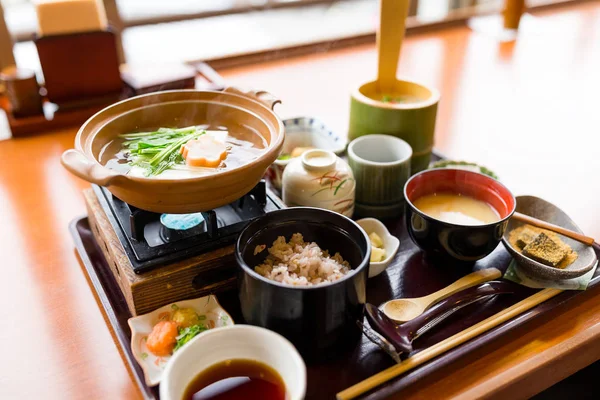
{"x": 457, "y": 208}
{"x": 455, "y": 214}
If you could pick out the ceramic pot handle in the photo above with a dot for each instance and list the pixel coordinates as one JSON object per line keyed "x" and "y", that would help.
{"x": 261, "y": 96}
{"x": 79, "y": 165}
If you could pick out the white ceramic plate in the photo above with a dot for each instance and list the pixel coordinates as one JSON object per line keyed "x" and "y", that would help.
{"x": 207, "y": 307}
{"x": 390, "y": 244}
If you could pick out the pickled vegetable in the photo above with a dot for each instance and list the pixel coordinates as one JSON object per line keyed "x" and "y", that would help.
{"x": 185, "y": 317}
{"x": 376, "y": 240}
{"x": 377, "y": 250}
{"x": 163, "y": 338}
{"x": 188, "y": 334}
{"x": 377, "y": 254}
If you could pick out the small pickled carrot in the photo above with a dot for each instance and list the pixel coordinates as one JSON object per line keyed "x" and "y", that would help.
{"x": 163, "y": 338}
{"x": 205, "y": 151}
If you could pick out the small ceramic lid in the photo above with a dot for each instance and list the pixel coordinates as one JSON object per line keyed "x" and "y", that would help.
{"x": 318, "y": 160}
{"x": 318, "y": 175}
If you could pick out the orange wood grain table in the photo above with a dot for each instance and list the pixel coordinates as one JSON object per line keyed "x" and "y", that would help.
{"x": 528, "y": 110}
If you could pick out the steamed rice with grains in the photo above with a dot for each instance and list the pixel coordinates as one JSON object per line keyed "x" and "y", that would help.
{"x": 300, "y": 263}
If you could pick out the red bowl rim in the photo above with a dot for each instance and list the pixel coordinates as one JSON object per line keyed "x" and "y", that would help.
{"x": 467, "y": 172}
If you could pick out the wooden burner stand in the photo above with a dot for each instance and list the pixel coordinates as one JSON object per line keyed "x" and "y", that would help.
{"x": 197, "y": 276}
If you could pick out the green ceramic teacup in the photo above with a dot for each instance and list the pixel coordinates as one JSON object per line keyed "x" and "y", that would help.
{"x": 412, "y": 120}
{"x": 381, "y": 167}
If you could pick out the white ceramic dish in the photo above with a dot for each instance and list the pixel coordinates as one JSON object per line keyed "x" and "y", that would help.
{"x": 305, "y": 132}
{"x": 390, "y": 243}
{"x": 141, "y": 326}
{"x": 239, "y": 342}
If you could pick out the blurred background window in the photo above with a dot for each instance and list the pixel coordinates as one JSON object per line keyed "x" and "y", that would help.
{"x": 193, "y": 30}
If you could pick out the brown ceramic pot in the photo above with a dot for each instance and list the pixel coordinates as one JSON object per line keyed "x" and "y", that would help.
{"x": 178, "y": 108}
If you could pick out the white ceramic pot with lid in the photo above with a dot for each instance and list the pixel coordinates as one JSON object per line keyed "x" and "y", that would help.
{"x": 320, "y": 179}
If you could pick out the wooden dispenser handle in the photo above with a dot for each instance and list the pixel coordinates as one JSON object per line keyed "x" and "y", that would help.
{"x": 393, "y": 15}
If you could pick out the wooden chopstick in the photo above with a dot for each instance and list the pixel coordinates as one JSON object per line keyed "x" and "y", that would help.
{"x": 447, "y": 344}
{"x": 554, "y": 228}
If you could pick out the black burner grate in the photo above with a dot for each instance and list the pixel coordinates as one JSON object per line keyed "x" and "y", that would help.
{"x": 150, "y": 244}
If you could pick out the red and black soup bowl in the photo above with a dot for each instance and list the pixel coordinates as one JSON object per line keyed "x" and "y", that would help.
{"x": 449, "y": 241}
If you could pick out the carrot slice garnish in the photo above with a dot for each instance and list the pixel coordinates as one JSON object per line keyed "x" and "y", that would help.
{"x": 205, "y": 151}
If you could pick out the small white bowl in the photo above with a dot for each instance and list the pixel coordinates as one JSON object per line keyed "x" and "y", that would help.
{"x": 153, "y": 366}
{"x": 390, "y": 244}
{"x": 235, "y": 342}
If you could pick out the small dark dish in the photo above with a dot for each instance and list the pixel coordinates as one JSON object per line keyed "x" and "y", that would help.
{"x": 319, "y": 320}
{"x": 541, "y": 209}
{"x": 447, "y": 241}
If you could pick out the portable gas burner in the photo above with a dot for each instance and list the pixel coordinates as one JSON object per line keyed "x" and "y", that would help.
{"x": 161, "y": 258}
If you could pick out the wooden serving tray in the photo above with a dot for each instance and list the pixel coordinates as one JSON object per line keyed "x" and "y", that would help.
{"x": 409, "y": 275}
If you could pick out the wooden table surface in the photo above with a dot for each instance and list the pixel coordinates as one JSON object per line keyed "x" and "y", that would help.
{"x": 528, "y": 110}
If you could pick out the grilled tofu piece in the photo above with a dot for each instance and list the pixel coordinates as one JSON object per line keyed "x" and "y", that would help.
{"x": 545, "y": 250}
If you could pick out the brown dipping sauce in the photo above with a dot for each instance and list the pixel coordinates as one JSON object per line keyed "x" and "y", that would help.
{"x": 236, "y": 379}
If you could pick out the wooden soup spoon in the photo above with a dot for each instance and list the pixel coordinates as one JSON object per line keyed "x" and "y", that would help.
{"x": 403, "y": 310}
